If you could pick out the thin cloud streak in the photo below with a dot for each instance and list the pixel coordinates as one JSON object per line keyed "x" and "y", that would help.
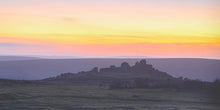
{"x": 11, "y": 44}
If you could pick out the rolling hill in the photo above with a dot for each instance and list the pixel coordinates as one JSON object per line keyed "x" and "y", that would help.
{"x": 204, "y": 69}
{"x": 17, "y": 58}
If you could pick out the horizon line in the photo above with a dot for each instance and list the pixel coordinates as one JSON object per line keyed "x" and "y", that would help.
{"x": 103, "y": 57}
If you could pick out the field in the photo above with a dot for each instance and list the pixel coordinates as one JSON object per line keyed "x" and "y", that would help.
{"x": 72, "y": 97}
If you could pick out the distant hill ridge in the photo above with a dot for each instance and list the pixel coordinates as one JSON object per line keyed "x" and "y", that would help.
{"x": 17, "y": 58}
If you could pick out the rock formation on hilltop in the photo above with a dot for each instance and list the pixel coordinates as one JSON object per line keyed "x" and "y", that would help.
{"x": 140, "y": 69}
{"x": 113, "y": 74}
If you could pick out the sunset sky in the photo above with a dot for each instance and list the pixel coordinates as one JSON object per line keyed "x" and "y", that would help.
{"x": 109, "y": 28}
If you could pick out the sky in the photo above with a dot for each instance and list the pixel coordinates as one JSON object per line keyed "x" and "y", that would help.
{"x": 109, "y": 28}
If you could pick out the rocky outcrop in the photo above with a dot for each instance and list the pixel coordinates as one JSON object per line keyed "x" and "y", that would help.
{"x": 124, "y": 72}
{"x": 140, "y": 75}
{"x": 139, "y": 67}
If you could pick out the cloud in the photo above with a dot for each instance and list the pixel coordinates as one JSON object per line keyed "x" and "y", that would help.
{"x": 10, "y": 44}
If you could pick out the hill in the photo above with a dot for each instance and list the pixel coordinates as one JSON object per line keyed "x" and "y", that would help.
{"x": 204, "y": 69}
{"x": 140, "y": 75}
{"x": 112, "y": 74}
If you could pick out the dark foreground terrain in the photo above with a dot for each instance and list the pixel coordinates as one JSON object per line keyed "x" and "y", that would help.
{"x": 75, "y": 97}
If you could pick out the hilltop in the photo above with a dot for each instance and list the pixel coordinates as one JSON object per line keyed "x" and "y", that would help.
{"x": 126, "y": 74}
